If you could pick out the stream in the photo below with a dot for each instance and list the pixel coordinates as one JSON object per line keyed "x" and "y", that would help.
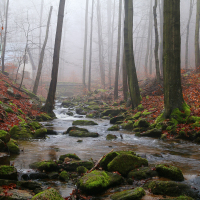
{"x": 183, "y": 154}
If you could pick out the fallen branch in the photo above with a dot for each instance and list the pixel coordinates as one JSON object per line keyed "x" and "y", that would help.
{"x": 99, "y": 161}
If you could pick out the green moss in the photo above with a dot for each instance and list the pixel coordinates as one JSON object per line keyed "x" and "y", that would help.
{"x": 4, "y": 136}
{"x": 13, "y": 147}
{"x": 35, "y": 125}
{"x": 140, "y": 107}
{"x": 128, "y": 125}
{"x": 5, "y": 170}
{"x": 69, "y": 155}
{"x": 77, "y": 133}
{"x": 40, "y": 133}
{"x": 1, "y": 102}
{"x": 9, "y": 110}
{"x": 169, "y": 171}
{"x": 50, "y": 194}
{"x": 159, "y": 119}
{"x": 111, "y": 137}
{"x": 64, "y": 175}
{"x": 147, "y": 97}
{"x": 145, "y": 113}
{"x": 44, "y": 165}
{"x": 81, "y": 170}
{"x": 84, "y": 122}
{"x": 137, "y": 115}
{"x": 135, "y": 194}
{"x": 114, "y": 128}
{"x": 20, "y": 133}
{"x": 20, "y": 112}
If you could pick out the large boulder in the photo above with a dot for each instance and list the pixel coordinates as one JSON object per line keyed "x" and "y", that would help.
{"x": 13, "y": 147}
{"x": 98, "y": 181}
{"x": 48, "y": 166}
{"x": 128, "y": 125}
{"x": 50, "y": 194}
{"x": 111, "y": 112}
{"x": 169, "y": 171}
{"x": 8, "y": 172}
{"x": 4, "y": 136}
{"x": 40, "y": 133}
{"x": 17, "y": 132}
{"x": 171, "y": 188}
{"x": 124, "y": 163}
{"x": 74, "y": 128}
{"x": 141, "y": 123}
{"x": 84, "y": 122}
{"x": 135, "y": 194}
{"x": 155, "y": 133}
{"x": 114, "y": 128}
{"x": 116, "y": 119}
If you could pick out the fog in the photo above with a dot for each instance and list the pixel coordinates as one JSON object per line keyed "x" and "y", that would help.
{"x": 23, "y": 13}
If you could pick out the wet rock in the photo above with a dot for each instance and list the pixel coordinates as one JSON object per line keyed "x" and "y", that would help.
{"x": 50, "y": 194}
{"x": 64, "y": 176}
{"x": 171, "y": 188}
{"x": 40, "y": 133}
{"x": 67, "y": 104}
{"x": 105, "y": 117}
{"x": 128, "y": 125}
{"x": 124, "y": 163}
{"x": 70, "y": 113}
{"x": 8, "y": 172}
{"x": 116, "y": 119}
{"x": 20, "y": 133}
{"x": 10, "y": 91}
{"x": 141, "y": 123}
{"x": 169, "y": 171}
{"x": 47, "y": 166}
{"x": 72, "y": 165}
{"x": 84, "y": 122}
{"x": 136, "y": 194}
{"x": 38, "y": 175}
{"x": 155, "y": 133}
{"x": 31, "y": 185}
{"x": 53, "y": 175}
{"x": 79, "y": 141}
{"x": 111, "y": 137}
{"x": 111, "y": 112}
{"x": 7, "y": 182}
{"x": 74, "y": 128}
{"x": 83, "y": 134}
{"x": 35, "y": 125}
{"x": 4, "y": 136}
{"x": 81, "y": 170}
{"x": 80, "y": 111}
{"x": 69, "y": 155}
{"x": 51, "y": 132}
{"x": 2, "y": 145}
{"x": 13, "y": 147}
{"x": 181, "y": 198}
{"x": 16, "y": 194}
{"x": 114, "y": 128}
{"x": 98, "y": 181}
{"x": 142, "y": 173}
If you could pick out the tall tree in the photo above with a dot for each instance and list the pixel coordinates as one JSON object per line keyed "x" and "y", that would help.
{"x": 41, "y": 13}
{"x": 187, "y": 34}
{"x": 197, "y": 53}
{"x": 128, "y": 47}
{"x": 5, "y": 37}
{"x": 125, "y": 79}
{"x": 156, "y": 42}
{"x": 118, "y": 51}
{"x": 85, "y": 44}
{"x": 173, "y": 97}
{"x": 49, "y": 105}
{"x": 90, "y": 60}
{"x": 35, "y": 88}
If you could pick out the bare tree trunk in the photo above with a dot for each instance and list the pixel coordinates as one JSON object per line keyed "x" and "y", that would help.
{"x": 118, "y": 51}
{"x": 128, "y": 47}
{"x": 156, "y": 42}
{"x": 49, "y": 105}
{"x": 37, "y": 80}
{"x": 85, "y": 45}
{"x": 161, "y": 7}
{"x": 5, "y": 37}
{"x": 90, "y": 60}
{"x": 125, "y": 80}
{"x": 151, "y": 53}
{"x": 41, "y": 13}
{"x": 149, "y": 36}
{"x": 101, "y": 59}
{"x": 197, "y": 56}
{"x": 187, "y": 34}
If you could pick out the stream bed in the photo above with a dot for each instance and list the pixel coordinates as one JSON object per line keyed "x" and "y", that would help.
{"x": 183, "y": 154}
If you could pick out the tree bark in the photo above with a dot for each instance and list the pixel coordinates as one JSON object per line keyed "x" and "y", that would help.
{"x": 5, "y": 37}
{"x": 90, "y": 60}
{"x": 187, "y": 34}
{"x": 128, "y": 47}
{"x": 197, "y": 56}
{"x": 41, "y": 13}
{"x": 85, "y": 45}
{"x": 37, "y": 80}
{"x": 118, "y": 51}
{"x": 49, "y": 105}
{"x": 156, "y": 42}
{"x": 125, "y": 80}
{"x": 173, "y": 97}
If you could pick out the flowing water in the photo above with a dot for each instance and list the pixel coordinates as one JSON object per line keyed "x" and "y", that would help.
{"x": 183, "y": 154}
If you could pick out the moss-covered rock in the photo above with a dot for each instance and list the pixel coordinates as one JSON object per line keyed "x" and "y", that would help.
{"x": 114, "y": 128}
{"x": 112, "y": 112}
{"x": 4, "y": 136}
{"x": 124, "y": 163}
{"x": 116, "y": 119}
{"x": 109, "y": 157}
{"x": 74, "y": 128}
{"x": 48, "y": 166}
{"x": 171, "y": 188}
{"x": 141, "y": 123}
{"x": 17, "y": 132}
{"x": 135, "y": 194}
{"x": 64, "y": 176}
{"x": 137, "y": 115}
{"x": 13, "y": 147}
{"x": 8, "y": 172}
{"x": 77, "y": 133}
{"x": 98, "y": 181}
{"x": 67, "y": 104}
{"x": 111, "y": 137}
{"x": 40, "y": 133}
{"x": 2, "y": 145}
{"x": 169, "y": 171}
{"x": 140, "y": 107}
{"x": 142, "y": 173}
{"x": 155, "y": 133}
{"x": 84, "y": 122}
{"x": 69, "y": 155}
{"x": 146, "y": 113}
{"x": 43, "y": 117}
{"x": 81, "y": 170}
{"x": 50, "y": 194}
{"x": 35, "y": 125}
{"x": 31, "y": 185}
{"x": 128, "y": 125}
